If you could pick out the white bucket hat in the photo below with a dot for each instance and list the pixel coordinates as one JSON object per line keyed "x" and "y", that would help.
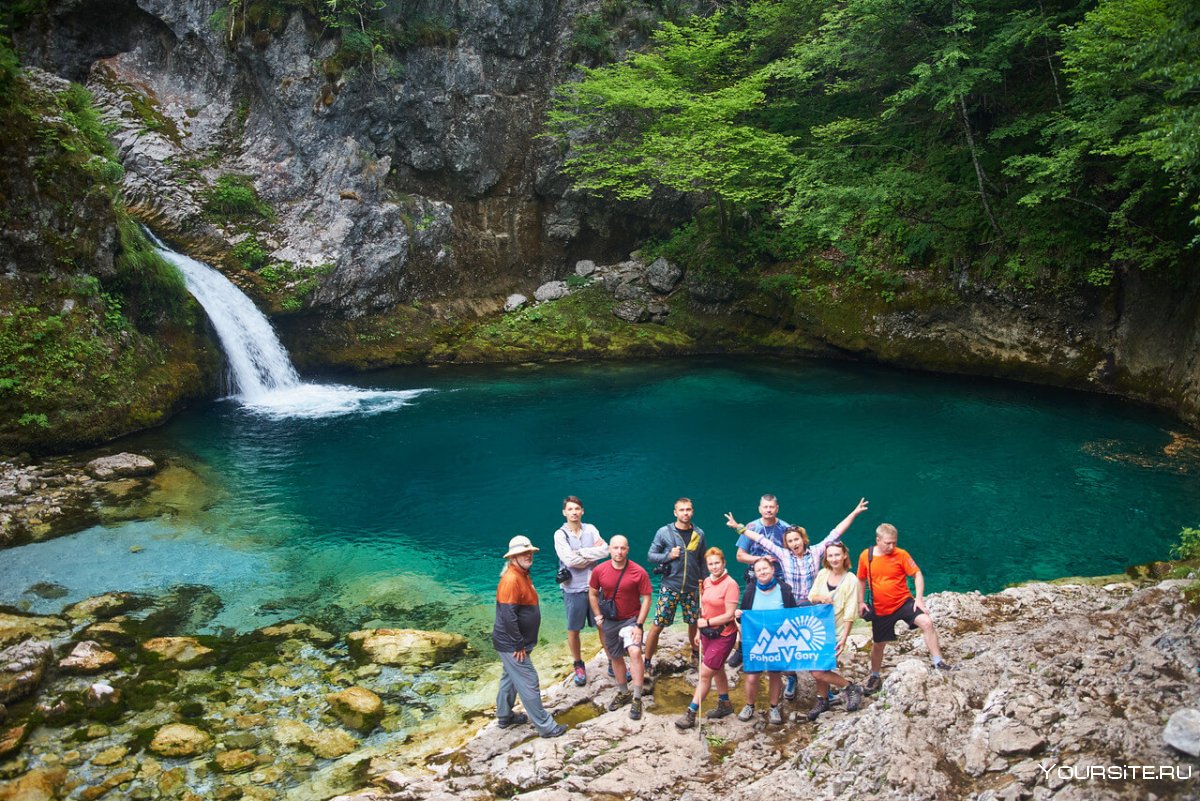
{"x": 518, "y": 545}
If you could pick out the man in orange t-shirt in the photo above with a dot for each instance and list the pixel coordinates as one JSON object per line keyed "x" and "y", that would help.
{"x": 885, "y": 569}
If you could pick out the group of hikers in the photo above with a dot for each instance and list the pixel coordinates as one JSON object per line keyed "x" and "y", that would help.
{"x": 603, "y": 587}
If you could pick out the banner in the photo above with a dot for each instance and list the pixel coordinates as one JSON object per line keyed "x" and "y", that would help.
{"x": 804, "y": 638}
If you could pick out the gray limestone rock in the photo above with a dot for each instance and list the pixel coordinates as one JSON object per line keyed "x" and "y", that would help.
{"x": 1182, "y": 731}
{"x": 585, "y": 267}
{"x": 552, "y": 290}
{"x": 121, "y": 465}
{"x": 632, "y": 311}
{"x": 514, "y": 302}
{"x": 663, "y": 275}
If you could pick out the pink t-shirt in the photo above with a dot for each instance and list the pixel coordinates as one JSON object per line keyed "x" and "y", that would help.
{"x": 715, "y": 598}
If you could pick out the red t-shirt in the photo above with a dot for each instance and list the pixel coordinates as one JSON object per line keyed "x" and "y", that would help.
{"x": 629, "y": 595}
{"x": 889, "y": 579}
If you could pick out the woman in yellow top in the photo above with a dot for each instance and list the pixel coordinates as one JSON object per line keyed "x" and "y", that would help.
{"x": 836, "y": 585}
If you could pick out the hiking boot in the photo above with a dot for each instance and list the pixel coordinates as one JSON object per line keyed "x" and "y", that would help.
{"x": 619, "y": 700}
{"x": 687, "y": 720}
{"x": 874, "y": 684}
{"x": 558, "y": 731}
{"x": 611, "y": 675}
{"x": 635, "y": 709}
{"x": 515, "y": 719}
{"x": 822, "y": 705}
{"x": 735, "y": 658}
{"x": 747, "y": 713}
{"x": 944, "y": 667}
{"x": 854, "y": 697}
{"x": 580, "y": 674}
{"x": 775, "y": 717}
{"x": 789, "y": 689}
{"x": 723, "y": 710}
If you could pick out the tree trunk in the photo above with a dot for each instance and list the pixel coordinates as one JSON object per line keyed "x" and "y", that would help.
{"x": 980, "y": 176}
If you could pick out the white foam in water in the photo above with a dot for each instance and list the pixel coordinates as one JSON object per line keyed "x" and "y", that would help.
{"x": 263, "y": 377}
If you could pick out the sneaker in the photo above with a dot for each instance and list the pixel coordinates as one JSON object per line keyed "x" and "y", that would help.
{"x": 874, "y": 684}
{"x": 822, "y": 705}
{"x": 515, "y": 719}
{"x": 944, "y": 667}
{"x": 735, "y": 658}
{"x": 775, "y": 717}
{"x": 611, "y": 675}
{"x": 747, "y": 713}
{"x": 635, "y": 709}
{"x": 723, "y": 710}
{"x": 687, "y": 720}
{"x": 619, "y": 700}
{"x": 558, "y": 731}
{"x": 580, "y": 675}
{"x": 854, "y": 697}
{"x": 789, "y": 689}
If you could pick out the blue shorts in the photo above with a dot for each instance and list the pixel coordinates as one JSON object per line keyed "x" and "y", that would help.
{"x": 579, "y": 611}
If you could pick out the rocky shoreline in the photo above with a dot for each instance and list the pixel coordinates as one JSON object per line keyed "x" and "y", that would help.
{"x": 113, "y": 697}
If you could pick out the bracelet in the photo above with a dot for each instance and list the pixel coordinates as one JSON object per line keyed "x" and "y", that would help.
{"x": 740, "y": 529}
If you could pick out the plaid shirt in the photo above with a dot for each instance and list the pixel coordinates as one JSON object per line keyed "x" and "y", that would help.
{"x": 799, "y": 571}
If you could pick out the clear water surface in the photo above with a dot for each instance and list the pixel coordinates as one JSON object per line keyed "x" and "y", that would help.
{"x": 400, "y": 516}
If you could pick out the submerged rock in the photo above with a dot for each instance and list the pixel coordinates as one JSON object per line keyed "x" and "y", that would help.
{"x": 88, "y": 657}
{"x": 300, "y": 631}
{"x": 17, "y": 628}
{"x": 179, "y": 740}
{"x": 22, "y": 667}
{"x": 180, "y": 650}
{"x": 11, "y": 740}
{"x": 357, "y": 708}
{"x": 43, "y": 784}
{"x": 235, "y": 761}
{"x": 405, "y": 647}
{"x": 330, "y": 743}
{"x": 102, "y": 607}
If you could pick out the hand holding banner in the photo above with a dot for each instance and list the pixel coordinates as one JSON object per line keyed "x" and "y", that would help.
{"x": 804, "y": 638}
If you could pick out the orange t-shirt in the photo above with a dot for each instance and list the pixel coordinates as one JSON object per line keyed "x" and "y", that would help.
{"x": 889, "y": 579}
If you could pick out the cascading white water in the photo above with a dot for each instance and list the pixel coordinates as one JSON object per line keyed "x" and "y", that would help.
{"x": 263, "y": 377}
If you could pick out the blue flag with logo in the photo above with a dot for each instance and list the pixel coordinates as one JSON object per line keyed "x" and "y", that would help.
{"x": 804, "y": 638}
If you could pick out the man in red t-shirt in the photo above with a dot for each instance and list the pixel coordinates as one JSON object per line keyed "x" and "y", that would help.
{"x": 629, "y": 584}
{"x": 885, "y": 569}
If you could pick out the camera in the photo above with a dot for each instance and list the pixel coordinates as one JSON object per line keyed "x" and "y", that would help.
{"x": 660, "y": 570}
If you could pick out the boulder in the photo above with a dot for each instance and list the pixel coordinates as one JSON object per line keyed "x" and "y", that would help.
{"x": 39, "y": 784}
{"x": 16, "y": 628}
{"x": 298, "y": 631}
{"x": 514, "y": 302}
{"x": 1182, "y": 731}
{"x": 1008, "y": 737}
{"x": 409, "y": 647}
{"x": 88, "y": 657}
{"x": 180, "y": 650}
{"x": 22, "y": 667}
{"x": 330, "y": 743}
{"x": 121, "y": 465}
{"x": 710, "y": 290}
{"x": 101, "y": 607}
{"x": 357, "y": 708}
{"x": 179, "y": 740}
{"x": 12, "y": 739}
{"x": 585, "y": 267}
{"x": 663, "y": 275}
{"x": 235, "y": 760}
{"x": 551, "y": 290}
{"x": 632, "y": 311}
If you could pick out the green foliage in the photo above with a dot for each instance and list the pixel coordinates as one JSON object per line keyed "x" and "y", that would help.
{"x": 233, "y": 197}
{"x": 1189, "y": 544}
{"x": 577, "y": 281}
{"x": 592, "y": 38}
{"x": 250, "y": 254}
{"x": 1038, "y": 144}
{"x": 291, "y": 283}
{"x": 153, "y": 289}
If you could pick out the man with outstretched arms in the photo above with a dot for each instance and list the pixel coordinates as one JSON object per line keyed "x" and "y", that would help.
{"x": 624, "y": 589}
{"x": 679, "y": 549}
{"x": 768, "y": 525}
{"x": 883, "y": 570}
{"x": 579, "y": 547}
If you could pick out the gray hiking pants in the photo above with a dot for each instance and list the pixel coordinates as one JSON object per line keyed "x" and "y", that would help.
{"x": 521, "y": 679}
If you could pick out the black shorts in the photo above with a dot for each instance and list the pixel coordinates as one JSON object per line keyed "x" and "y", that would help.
{"x": 883, "y": 627}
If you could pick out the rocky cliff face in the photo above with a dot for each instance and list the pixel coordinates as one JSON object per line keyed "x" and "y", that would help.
{"x": 384, "y": 207}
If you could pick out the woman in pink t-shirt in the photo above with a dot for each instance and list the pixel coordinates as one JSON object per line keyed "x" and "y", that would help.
{"x": 718, "y": 603}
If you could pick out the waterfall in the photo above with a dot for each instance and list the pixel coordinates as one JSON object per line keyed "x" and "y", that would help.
{"x": 263, "y": 377}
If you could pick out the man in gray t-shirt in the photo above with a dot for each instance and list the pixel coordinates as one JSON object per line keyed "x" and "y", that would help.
{"x": 579, "y": 547}
{"x": 678, "y": 550}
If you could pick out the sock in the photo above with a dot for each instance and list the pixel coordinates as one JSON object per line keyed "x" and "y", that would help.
{"x": 774, "y": 706}
{"x": 637, "y": 692}
{"x": 579, "y": 663}
{"x": 723, "y": 697}
{"x": 694, "y": 706}
{"x": 622, "y": 687}
{"x": 936, "y": 661}
{"x": 873, "y": 673}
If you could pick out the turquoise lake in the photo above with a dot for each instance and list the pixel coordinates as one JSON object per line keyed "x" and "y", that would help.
{"x": 400, "y": 517}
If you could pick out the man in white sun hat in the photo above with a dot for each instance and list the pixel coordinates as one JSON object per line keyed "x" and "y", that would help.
{"x": 518, "y": 618}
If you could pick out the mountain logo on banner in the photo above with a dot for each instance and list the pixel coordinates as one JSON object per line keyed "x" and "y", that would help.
{"x": 805, "y": 633}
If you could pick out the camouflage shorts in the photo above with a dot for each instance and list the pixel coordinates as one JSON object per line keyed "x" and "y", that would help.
{"x": 664, "y": 613}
